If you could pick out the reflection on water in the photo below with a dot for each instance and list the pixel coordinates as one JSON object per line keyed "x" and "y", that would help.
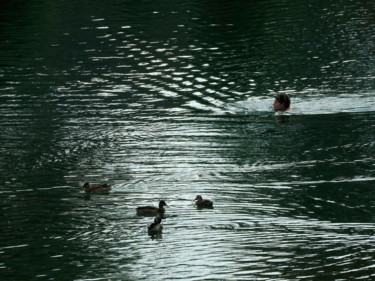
{"x": 309, "y": 104}
{"x": 171, "y": 101}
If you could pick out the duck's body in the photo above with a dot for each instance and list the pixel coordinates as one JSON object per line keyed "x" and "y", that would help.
{"x": 203, "y": 203}
{"x": 151, "y": 210}
{"x": 99, "y": 188}
{"x": 155, "y": 226}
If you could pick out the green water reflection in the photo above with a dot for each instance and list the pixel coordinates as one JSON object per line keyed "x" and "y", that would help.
{"x": 171, "y": 100}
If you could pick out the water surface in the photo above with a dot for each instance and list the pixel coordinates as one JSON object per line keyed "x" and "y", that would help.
{"x": 171, "y": 100}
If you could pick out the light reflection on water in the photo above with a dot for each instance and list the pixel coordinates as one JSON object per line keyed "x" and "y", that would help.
{"x": 168, "y": 102}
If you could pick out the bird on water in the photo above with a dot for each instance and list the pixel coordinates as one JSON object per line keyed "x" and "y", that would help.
{"x": 151, "y": 210}
{"x": 155, "y": 226}
{"x": 203, "y": 203}
{"x": 99, "y": 188}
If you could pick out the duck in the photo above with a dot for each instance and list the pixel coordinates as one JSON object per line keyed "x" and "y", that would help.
{"x": 155, "y": 226}
{"x": 203, "y": 203}
{"x": 151, "y": 210}
{"x": 96, "y": 188}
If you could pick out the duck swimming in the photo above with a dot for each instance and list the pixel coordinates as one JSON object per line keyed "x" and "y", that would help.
{"x": 151, "y": 210}
{"x": 203, "y": 203}
{"x": 155, "y": 226}
{"x": 96, "y": 188}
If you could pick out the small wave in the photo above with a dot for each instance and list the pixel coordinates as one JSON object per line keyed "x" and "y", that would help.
{"x": 310, "y": 105}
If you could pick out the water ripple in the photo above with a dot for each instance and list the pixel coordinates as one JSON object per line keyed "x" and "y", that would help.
{"x": 171, "y": 101}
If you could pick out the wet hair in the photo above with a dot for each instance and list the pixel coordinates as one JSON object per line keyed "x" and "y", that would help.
{"x": 283, "y": 99}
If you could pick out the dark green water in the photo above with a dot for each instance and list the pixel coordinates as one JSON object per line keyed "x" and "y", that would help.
{"x": 167, "y": 100}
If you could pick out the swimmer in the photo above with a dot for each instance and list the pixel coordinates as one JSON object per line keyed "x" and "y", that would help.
{"x": 282, "y": 102}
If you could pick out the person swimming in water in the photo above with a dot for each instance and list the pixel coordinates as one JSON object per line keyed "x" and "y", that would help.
{"x": 282, "y": 102}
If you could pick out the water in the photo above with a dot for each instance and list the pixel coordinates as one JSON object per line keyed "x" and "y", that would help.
{"x": 168, "y": 100}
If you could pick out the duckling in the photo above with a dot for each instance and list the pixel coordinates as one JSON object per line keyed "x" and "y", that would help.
{"x": 96, "y": 188}
{"x": 150, "y": 210}
{"x": 200, "y": 203}
{"x": 155, "y": 226}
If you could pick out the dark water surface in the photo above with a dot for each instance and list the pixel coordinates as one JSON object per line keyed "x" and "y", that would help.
{"x": 170, "y": 99}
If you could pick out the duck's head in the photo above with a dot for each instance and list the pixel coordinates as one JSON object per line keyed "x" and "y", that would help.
{"x": 162, "y": 204}
{"x": 199, "y": 198}
{"x": 157, "y": 220}
{"x": 86, "y": 185}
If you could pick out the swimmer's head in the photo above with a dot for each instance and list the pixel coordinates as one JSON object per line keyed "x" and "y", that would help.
{"x": 282, "y": 102}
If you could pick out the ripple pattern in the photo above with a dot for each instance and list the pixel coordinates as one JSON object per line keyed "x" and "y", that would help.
{"x": 171, "y": 101}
